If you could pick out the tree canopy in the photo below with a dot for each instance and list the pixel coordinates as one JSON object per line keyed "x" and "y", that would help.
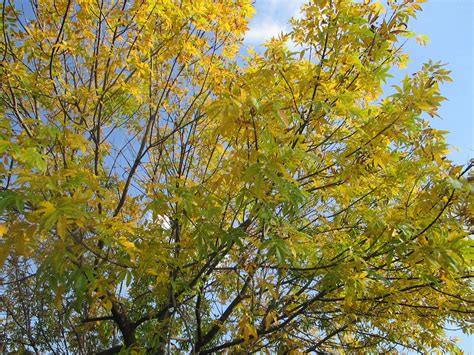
{"x": 160, "y": 194}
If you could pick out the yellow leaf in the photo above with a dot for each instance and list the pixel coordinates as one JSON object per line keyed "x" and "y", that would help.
{"x": 3, "y": 230}
{"x": 4, "y": 251}
{"x": 46, "y": 207}
{"x": 61, "y": 227}
{"x": 176, "y": 199}
{"x": 270, "y": 319}
{"x": 378, "y": 7}
{"x": 20, "y": 246}
{"x": 58, "y": 297}
{"x": 107, "y": 304}
{"x": 247, "y": 330}
{"x": 422, "y": 40}
{"x": 127, "y": 244}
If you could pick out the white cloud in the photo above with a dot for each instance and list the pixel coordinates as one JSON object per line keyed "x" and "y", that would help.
{"x": 164, "y": 221}
{"x": 271, "y": 18}
{"x": 259, "y": 32}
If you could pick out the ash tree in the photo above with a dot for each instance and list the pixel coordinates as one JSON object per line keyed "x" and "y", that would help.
{"x": 159, "y": 195}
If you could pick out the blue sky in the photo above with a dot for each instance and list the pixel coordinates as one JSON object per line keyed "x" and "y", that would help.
{"x": 449, "y": 25}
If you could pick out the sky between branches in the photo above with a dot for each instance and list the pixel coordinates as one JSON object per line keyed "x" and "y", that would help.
{"x": 450, "y": 27}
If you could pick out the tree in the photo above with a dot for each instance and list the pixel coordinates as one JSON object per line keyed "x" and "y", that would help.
{"x": 160, "y": 196}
